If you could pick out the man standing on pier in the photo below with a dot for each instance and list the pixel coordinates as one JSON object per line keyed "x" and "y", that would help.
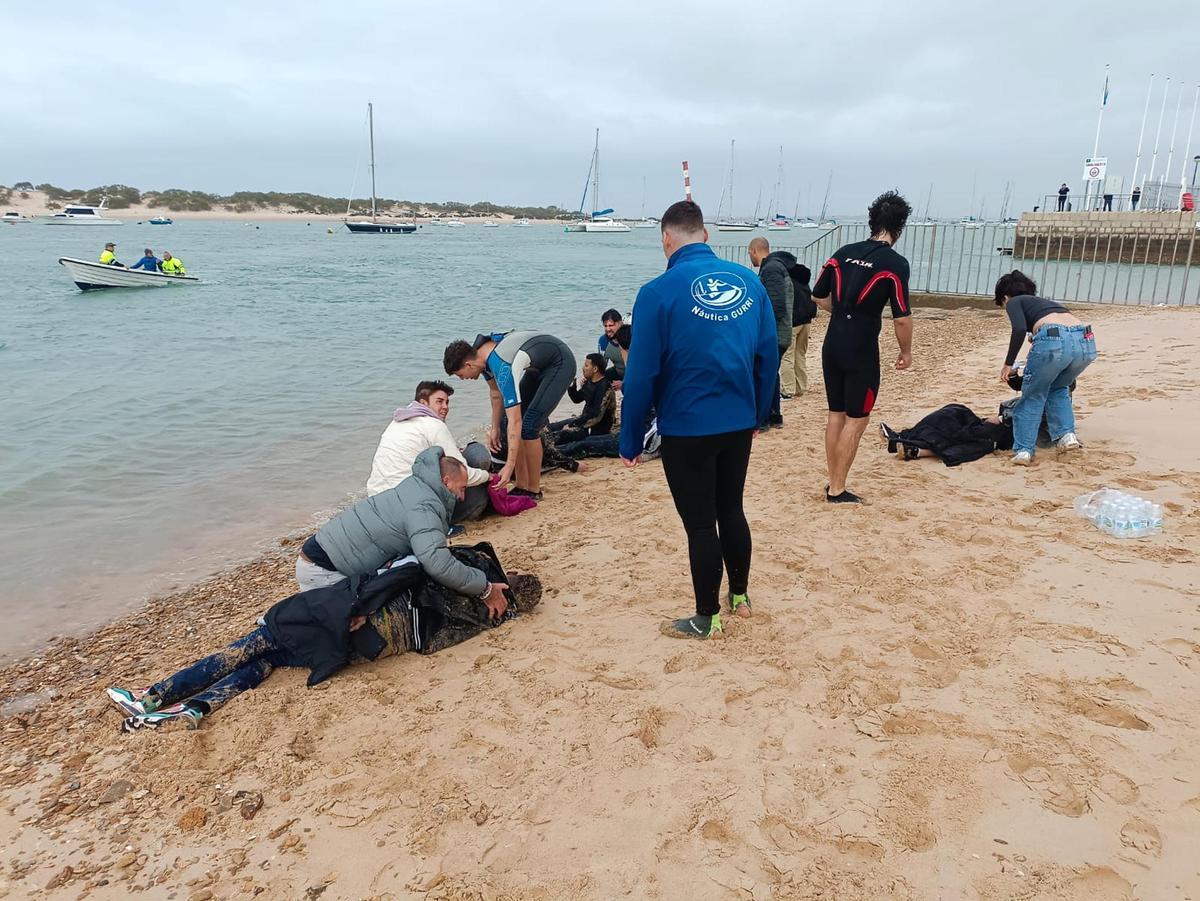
{"x": 854, "y": 286}
{"x": 1062, "y": 196}
{"x": 706, "y": 359}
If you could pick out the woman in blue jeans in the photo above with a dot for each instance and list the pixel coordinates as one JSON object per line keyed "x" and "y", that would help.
{"x": 1061, "y": 348}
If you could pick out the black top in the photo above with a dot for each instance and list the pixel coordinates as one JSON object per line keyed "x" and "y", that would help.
{"x": 861, "y": 279}
{"x": 1023, "y": 312}
{"x": 316, "y": 554}
{"x": 599, "y": 406}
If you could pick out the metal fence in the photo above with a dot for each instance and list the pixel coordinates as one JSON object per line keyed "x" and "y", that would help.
{"x": 968, "y": 258}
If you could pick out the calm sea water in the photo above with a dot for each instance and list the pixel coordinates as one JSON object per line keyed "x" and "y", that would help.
{"x": 148, "y": 438}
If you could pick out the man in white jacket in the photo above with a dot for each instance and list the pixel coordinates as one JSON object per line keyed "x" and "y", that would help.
{"x": 421, "y": 425}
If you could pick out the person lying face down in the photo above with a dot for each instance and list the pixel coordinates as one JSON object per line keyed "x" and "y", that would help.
{"x": 393, "y": 612}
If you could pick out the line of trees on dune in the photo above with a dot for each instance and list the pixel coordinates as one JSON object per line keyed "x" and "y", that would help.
{"x": 179, "y": 200}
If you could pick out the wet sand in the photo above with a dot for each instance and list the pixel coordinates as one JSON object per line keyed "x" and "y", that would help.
{"x": 959, "y": 691}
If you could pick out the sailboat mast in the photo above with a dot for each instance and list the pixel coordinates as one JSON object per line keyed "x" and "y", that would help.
{"x": 732, "y": 212}
{"x": 928, "y": 197}
{"x": 371, "y": 130}
{"x": 596, "y": 174}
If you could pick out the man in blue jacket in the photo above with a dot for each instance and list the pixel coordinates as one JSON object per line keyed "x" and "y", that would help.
{"x": 705, "y": 358}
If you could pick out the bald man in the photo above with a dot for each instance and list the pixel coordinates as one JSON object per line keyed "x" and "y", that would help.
{"x": 773, "y": 273}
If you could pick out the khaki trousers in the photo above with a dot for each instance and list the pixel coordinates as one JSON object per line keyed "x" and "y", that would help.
{"x": 793, "y": 366}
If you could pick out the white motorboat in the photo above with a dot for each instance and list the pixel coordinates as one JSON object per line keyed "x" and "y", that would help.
{"x": 521, "y": 223}
{"x": 647, "y": 223}
{"x": 732, "y": 226}
{"x": 434, "y": 220}
{"x": 375, "y": 226}
{"x": 491, "y": 225}
{"x": 81, "y": 214}
{"x": 599, "y": 221}
{"x": 12, "y": 218}
{"x": 456, "y": 223}
{"x": 90, "y": 276}
{"x": 779, "y": 225}
{"x": 808, "y": 223}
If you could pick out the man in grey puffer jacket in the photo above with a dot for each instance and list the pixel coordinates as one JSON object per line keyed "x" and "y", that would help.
{"x": 773, "y": 273}
{"x": 410, "y": 519}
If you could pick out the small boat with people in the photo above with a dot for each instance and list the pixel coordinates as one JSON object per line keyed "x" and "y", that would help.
{"x": 162, "y": 220}
{"x": 12, "y": 218}
{"x": 82, "y": 214}
{"x": 92, "y": 276}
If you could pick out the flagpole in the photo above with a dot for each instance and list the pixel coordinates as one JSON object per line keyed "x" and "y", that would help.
{"x": 1188, "y": 152}
{"x": 1096, "y": 145}
{"x": 1174, "y": 130}
{"x": 1141, "y": 134}
{"x": 1158, "y": 134}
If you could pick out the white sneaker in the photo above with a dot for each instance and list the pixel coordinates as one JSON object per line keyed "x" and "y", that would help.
{"x": 1021, "y": 458}
{"x": 1068, "y": 442}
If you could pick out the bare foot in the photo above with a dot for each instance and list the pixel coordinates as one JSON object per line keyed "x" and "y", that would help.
{"x": 583, "y": 466}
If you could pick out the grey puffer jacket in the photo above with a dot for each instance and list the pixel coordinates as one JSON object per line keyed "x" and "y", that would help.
{"x": 411, "y": 518}
{"x": 778, "y": 281}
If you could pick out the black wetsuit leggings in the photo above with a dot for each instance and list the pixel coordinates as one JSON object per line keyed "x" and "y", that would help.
{"x": 707, "y": 475}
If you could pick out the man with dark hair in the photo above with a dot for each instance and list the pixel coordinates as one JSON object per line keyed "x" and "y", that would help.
{"x": 421, "y": 425}
{"x": 773, "y": 273}
{"x": 149, "y": 262}
{"x": 1062, "y": 196}
{"x": 411, "y": 518}
{"x": 527, "y": 375}
{"x": 706, "y": 360}
{"x": 856, "y": 284}
{"x": 599, "y": 404}
{"x": 611, "y": 320}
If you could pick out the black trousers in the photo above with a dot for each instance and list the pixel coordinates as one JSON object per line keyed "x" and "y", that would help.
{"x": 707, "y": 476}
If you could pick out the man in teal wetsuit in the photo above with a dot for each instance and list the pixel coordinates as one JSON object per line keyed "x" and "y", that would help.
{"x": 527, "y": 374}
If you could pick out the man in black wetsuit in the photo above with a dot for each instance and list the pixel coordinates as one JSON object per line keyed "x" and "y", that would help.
{"x": 854, "y": 286}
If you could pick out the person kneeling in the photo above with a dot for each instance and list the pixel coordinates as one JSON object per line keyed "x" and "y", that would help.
{"x": 398, "y": 610}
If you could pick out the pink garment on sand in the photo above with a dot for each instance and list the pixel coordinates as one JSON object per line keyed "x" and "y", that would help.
{"x": 504, "y": 503}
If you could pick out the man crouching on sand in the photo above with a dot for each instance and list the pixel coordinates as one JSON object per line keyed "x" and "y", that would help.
{"x": 395, "y": 611}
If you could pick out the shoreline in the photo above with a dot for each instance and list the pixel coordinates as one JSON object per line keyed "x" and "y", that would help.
{"x": 958, "y": 689}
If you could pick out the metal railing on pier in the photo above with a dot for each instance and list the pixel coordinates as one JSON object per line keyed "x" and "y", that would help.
{"x": 969, "y": 258}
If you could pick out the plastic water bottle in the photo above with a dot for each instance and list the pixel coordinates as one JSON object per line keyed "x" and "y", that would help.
{"x": 1121, "y": 520}
{"x": 1140, "y": 523}
{"x": 1156, "y": 519}
{"x": 1107, "y": 509}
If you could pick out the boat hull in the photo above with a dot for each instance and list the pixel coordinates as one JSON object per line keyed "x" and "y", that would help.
{"x": 735, "y": 227}
{"x": 89, "y": 276}
{"x": 80, "y": 220}
{"x": 380, "y": 228}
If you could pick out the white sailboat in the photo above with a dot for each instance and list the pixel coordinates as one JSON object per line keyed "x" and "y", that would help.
{"x": 732, "y": 224}
{"x": 645, "y": 222}
{"x": 779, "y": 222}
{"x": 375, "y": 226}
{"x": 599, "y": 221}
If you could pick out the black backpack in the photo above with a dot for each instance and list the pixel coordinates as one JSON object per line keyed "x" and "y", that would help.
{"x": 804, "y": 308}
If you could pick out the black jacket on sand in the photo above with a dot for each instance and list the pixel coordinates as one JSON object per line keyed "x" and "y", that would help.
{"x": 957, "y": 435}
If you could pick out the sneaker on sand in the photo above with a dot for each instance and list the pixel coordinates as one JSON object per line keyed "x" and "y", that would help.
{"x": 694, "y": 627}
{"x": 1068, "y": 442}
{"x": 179, "y": 716}
{"x": 739, "y": 605}
{"x": 1021, "y": 458}
{"x": 130, "y": 700}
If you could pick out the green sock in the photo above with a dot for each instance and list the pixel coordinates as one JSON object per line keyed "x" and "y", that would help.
{"x": 714, "y": 623}
{"x": 736, "y": 600}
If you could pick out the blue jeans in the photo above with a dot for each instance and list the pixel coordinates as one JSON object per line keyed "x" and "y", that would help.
{"x": 1059, "y": 354}
{"x": 209, "y": 683}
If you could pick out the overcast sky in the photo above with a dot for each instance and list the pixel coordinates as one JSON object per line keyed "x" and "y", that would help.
{"x": 499, "y": 101}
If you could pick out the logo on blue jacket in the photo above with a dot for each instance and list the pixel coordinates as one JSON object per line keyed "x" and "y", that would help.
{"x": 718, "y": 291}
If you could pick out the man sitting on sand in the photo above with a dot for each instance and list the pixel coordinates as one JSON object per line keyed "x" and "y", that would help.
{"x": 421, "y": 425}
{"x": 527, "y": 375}
{"x": 595, "y": 392}
{"x": 394, "y": 612}
{"x": 411, "y": 518}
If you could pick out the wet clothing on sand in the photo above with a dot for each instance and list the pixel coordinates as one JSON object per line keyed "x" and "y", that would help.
{"x": 955, "y": 434}
{"x": 861, "y": 279}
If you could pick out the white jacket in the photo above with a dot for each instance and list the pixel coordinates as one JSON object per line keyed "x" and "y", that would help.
{"x": 399, "y": 446}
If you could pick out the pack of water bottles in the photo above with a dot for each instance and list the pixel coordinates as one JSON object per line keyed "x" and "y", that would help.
{"x": 1120, "y": 514}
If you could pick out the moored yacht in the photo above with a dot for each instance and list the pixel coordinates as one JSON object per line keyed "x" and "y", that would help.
{"x": 81, "y": 214}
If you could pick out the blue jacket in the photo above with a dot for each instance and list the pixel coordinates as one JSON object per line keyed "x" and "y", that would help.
{"x": 704, "y": 354}
{"x": 150, "y": 264}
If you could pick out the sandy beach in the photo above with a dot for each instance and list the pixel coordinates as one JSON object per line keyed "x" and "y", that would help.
{"x": 959, "y": 691}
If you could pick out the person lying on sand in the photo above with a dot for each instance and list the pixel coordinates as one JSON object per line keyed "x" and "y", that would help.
{"x": 953, "y": 434}
{"x": 393, "y": 612}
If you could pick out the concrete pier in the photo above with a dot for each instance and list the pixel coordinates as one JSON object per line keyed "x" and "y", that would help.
{"x": 1166, "y": 239}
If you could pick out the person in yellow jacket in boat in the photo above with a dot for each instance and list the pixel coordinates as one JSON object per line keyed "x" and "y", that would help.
{"x": 108, "y": 257}
{"x": 171, "y": 265}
